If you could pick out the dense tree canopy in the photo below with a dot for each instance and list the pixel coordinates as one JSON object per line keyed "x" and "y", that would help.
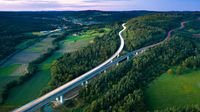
{"x": 13, "y": 25}
{"x": 72, "y": 65}
{"x": 121, "y": 89}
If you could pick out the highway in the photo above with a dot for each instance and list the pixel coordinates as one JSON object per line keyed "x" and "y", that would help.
{"x": 51, "y": 96}
{"x": 39, "y": 102}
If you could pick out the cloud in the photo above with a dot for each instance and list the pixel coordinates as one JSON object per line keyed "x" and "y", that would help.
{"x": 10, "y": 5}
{"x": 47, "y": 5}
{"x": 41, "y": 1}
{"x": 95, "y": 1}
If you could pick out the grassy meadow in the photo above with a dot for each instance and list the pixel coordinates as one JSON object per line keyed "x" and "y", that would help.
{"x": 6, "y": 71}
{"x": 31, "y": 89}
{"x": 174, "y": 90}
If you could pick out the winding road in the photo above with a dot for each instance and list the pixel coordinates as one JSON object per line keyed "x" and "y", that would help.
{"x": 170, "y": 32}
{"x": 38, "y": 103}
{"x": 51, "y": 96}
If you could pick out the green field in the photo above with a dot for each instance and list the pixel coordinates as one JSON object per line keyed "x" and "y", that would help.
{"x": 174, "y": 90}
{"x": 4, "y": 81}
{"x": 5, "y": 77}
{"x": 39, "y": 80}
{"x": 26, "y": 43}
{"x": 5, "y": 71}
{"x": 37, "y": 33}
{"x": 88, "y": 34}
{"x": 42, "y": 46}
{"x": 12, "y": 71}
{"x": 73, "y": 43}
{"x": 31, "y": 89}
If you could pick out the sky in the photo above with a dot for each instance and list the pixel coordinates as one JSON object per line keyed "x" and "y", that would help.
{"x": 106, "y": 5}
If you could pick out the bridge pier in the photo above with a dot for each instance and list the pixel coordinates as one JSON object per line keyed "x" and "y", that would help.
{"x": 136, "y": 53}
{"x": 117, "y": 64}
{"x": 104, "y": 71}
{"x": 57, "y": 99}
{"x": 61, "y": 99}
{"x": 143, "y": 50}
{"x": 118, "y": 56}
{"x": 127, "y": 57}
{"x": 84, "y": 83}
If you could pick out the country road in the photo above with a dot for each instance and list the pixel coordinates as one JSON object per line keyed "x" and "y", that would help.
{"x": 170, "y": 32}
{"x": 38, "y": 103}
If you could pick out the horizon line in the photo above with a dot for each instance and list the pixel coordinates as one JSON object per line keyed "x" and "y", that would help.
{"x": 99, "y": 10}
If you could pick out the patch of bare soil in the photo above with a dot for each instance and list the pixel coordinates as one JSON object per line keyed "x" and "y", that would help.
{"x": 196, "y": 35}
{"x": 21, "y": 70}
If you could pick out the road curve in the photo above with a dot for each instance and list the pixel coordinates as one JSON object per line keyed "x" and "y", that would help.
{"x": 39, "y": 102}
{"x": 34, "y": 105}
{"x": 181, "y": 27}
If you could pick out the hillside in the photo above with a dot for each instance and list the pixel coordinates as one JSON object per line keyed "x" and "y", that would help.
{"x": 31, "y": 42}
{"x": 14, "y": 25}
{"x": 122, "y": 88}
{"x": 85, "y": 39}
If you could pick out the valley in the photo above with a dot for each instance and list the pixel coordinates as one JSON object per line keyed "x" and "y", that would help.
{"x": 155, "y": 67}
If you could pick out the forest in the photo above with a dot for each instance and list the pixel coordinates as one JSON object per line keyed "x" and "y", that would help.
{"x": 72, "y": 65}
{"x": 121, "y": 89}
{"x": 14, "y": 25}
{"x": 152, "y": 28}
{"x": 31, "y": 31}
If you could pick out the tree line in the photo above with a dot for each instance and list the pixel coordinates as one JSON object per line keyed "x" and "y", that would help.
{"x": 14, "y": 26}
{"x": 74, "y": 64}
{"x": 121, "y": 89}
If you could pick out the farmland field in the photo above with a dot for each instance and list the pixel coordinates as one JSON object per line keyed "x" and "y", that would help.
{"x": 28, "y": 90}
{"x": 31, "y": 53}
{"x": 157, "y": 68}
{"x": 174, "y": 90}
{"x": 31, "y": 89}
{"x": 17, "y": 65}
{"x": 5, "y": 71}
